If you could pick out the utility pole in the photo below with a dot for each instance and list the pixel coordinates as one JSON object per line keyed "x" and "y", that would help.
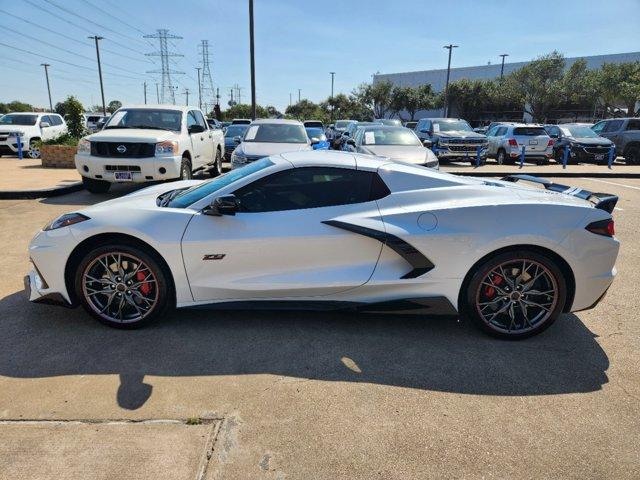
{"x": 289, "y": 98}
{"x": 218, "y": 96}
{"x": 199, "y": 89}
{"x": 46, "y": 74}
{"x": 186, "y": 92}
{"x": 253, "y": 62}
{"x": 449, "y": 47}
{"x": 145, "y": 93}
{"x": 104, "y": 106}
{"x": 502, "y": 67}
{"x": 157, "y": 94}
{"x": 299, "y": 90}
{"x": 333, "y": 74}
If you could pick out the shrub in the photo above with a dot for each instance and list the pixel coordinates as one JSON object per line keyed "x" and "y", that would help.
{"x": 64, "y": 139}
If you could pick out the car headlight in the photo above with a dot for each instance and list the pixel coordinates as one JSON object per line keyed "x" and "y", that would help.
{"x": 65, "y": 220}
{"x": 167, "y": 148}
{"x": 84, "y": 146}
{"x": 238, "y": 156}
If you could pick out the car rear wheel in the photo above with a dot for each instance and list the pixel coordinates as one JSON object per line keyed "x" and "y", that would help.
{"x": 185, "y": 169}
{"x": 633, "y": 156}
{"x": 122, "y": 286}
{"x": 217, "y": 165}
{"x": 96, "y": 186}
{"x": 515, "y": 295}
{"x": 501, "y": 157}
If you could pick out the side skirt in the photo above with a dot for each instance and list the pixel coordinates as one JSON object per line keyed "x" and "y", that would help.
{"x": 426, "y": 305}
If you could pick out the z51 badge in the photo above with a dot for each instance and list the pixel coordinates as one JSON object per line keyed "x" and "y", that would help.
{"x": 214, "y": 256}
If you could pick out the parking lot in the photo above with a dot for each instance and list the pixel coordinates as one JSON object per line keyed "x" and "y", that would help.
{"x": 256, "y": 394}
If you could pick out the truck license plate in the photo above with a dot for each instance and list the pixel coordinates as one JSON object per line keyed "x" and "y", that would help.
{"x": 123, "y": 177}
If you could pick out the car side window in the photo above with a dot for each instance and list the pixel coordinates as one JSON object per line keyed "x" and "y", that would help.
{"x": 307, "y": 187}
{"x": 45, "y": 118}
{"x": 613, "y": 126}
{"x": 492, "y": 132}
{"x": 554, "y": 131}
{"x": 55, "y": 120}
{"x": 191, "y": 119}
{"x": 200, "y": 119}
{"x": 501, "y": 131}
{"x": 633, "y": 125}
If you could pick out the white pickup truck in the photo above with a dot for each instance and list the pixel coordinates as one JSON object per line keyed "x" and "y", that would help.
{"x": 148, "y": 143}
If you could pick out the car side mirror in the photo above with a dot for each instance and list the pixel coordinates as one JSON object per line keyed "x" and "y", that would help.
{"x": 45, "y": 124}
{"x": 315, "y": 140}
{"x": 351, "y": 141}
{"x": 427, "y": 143}
{"x": 195, "y": 129}
{"x": 224, "y": 205}
{"x": 237, "y": 140}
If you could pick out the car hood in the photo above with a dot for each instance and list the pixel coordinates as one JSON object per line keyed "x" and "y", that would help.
{"x": 144, "y": 198}
{"x": 266, "y": 149}
{"x": 592, "y": 141}
{"x": 459, "y": 134}
{"x": 409, "y": 154}
{"x": 142, "y": 135}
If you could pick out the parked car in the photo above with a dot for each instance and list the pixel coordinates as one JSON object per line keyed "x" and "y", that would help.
{"x": 350, "y": 132}
{"x": 31, "y": 127}
{"x": 625, "y": 133}
{"x": 396, "y": 143}
{"x": 313, "y": 124}
{"x": 392, "y": 122}
{"x": 505, "y": 143}
{"x": 482, "y": 130}
{"x": 452, "y": 139}
{"x": 232, "y": 137}
{"x": 585, "y": 145}
{"x": 240, "y": 121}
{"x": 339, "y": 127}
{"x": 411, "y": 125}
{"x": 318, "y": 138}
{"x": 93, "y": 120}
{"x": 149, "y": 143}
{"x": 270, "y": 137}
{"x": 327, "y": 230}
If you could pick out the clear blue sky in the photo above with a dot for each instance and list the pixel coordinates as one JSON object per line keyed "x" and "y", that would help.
{"x": 297, "y": 41}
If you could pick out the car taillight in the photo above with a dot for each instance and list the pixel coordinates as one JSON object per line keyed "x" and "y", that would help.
{"x": 550, "y": 144}
{"x": 602, "y": 227}
{"x": 513, "y": 142}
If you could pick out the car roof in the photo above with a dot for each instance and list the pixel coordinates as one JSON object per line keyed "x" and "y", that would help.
{"x": 280, "y": 121}
{"x": 182, "y": 108}
{"x": 30, "y": 113}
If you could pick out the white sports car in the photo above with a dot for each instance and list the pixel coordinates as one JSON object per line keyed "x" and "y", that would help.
{"x": 334, "y": 230}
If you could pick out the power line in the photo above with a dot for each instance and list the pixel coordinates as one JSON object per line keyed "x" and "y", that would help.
{"x": 93, "y": 5}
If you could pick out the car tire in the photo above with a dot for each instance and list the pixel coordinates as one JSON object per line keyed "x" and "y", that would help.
{"x": 502, "y": 158}
{"x": 632, "y": 156}
{"x": 186, "y": 173}
{"x": 95, "y": 186}
{"x": 502, "y": 302}
{"x": 217, "y": 164}
{"x": 110, "y": 297}
{"x": 34, "y": 150}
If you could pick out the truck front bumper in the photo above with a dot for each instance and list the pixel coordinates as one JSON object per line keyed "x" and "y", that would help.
{"x": 142, "y": 169}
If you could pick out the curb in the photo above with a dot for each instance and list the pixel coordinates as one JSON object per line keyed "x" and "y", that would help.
{"x": 547, "y": 174}
{"x": 42, "y": 193}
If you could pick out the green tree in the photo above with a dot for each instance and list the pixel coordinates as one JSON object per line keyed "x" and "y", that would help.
{"x": 15, "y": 106}
{"x": 346, "y": 107}
{"x": 375, "y": 96}
{"x": 114, "y": 105}
{"x": 243, "y": 110}
{"x": 74, "y": 116}
{"x": 306, "y": 110}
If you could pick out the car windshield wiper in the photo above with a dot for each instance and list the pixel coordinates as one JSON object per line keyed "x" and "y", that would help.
{"x": 166, "y": 197}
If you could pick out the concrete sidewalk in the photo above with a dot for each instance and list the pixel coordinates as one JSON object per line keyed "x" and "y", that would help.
{"x": 27, "y": 179}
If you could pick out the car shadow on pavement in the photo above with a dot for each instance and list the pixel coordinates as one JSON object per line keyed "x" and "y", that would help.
{"x": 430, "y": 353}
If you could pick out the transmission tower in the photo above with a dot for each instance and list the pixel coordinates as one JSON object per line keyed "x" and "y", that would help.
{"x": 167, "y": 92}
{"x": 207, "y": 80}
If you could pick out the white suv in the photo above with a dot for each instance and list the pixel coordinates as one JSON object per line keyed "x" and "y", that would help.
{"x": 149, "y": 143}
{"x": 31, "y": 127}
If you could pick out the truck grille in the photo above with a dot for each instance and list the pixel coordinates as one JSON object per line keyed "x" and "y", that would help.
{"x": 131, "y": 150}
{"x": 465, "y": 141}
{"x": 122, "y": 168}
{"x": 462, "y": 148}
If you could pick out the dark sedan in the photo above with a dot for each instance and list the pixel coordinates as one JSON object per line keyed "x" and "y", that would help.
{"x": 230, "y": 134}
{"x": 585, "y": 145}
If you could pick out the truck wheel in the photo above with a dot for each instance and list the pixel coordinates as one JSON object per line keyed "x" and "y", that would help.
{"x": 95, "y": 186}
{"x": 185, "y": 169}
{"x": 633, "y": 155}
{"x": 217, "y": 164}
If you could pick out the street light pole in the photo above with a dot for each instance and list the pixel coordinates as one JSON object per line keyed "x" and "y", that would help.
{"x": 145, "y": 93}
{"x": 333, "y": 74}
{"x": 253, "y": 62}
{"x": 199, "y": 89}
{"x": 186, "y": 92}
{"x": 502, "y": 67}
{"x": 157, "y": 94}
{"x": 104, "y": 106}
{"x": 46, "y": 74}
{"x": 299, "y": 90}
{"x": 449, "y": 47}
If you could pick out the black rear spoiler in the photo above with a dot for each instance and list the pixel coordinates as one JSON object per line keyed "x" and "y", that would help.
{"x": 603, "y": 201}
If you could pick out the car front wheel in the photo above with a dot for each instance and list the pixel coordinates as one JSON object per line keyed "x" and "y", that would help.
{"x": 515, "y": 295}
{"x": 122, "y": 286}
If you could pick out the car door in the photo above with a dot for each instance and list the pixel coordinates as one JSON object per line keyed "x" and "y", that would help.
{"x": 199, "y": 140}
{"x": 277, "y": 245}
{"x": 612, "y": 130}
{"x": 47, "y": 133}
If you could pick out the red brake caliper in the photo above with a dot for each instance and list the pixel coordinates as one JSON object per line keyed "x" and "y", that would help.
{"x": 145, "y": 288}
{"x": 489, "y": 291}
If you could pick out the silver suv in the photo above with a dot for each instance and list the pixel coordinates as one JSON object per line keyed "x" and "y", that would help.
{"x": 506, "y": 142}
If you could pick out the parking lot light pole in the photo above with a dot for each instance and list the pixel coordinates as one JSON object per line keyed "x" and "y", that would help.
{"x": 253, "y": 62}
{"x": 145, "y": 92}
{"x": 199, "y": 89}
{"x": 157, "y": 94}
{"x": 502, "y": 67}
{"x": 46, "y": 74}
{"x": 449, "y": 47}
{"x": 333, "y": 74}
{"x": 104, "y": 106}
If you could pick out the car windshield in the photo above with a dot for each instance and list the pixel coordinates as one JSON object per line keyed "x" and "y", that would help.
{"x": 275, "y": 133}
{"x": 18, "y": 119}
{"x": 235, "y": 131}
{"x": 198, "y": 192}
{"x": 155, "y": 119}
{"x": 317, "y": 133}
{"x": 388, "y": 121}
{"x": 391, "y": 136}
{"x": 579, "y": 131}
{"x": 342, "y": 124}
{"x": 451, "y": 126}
